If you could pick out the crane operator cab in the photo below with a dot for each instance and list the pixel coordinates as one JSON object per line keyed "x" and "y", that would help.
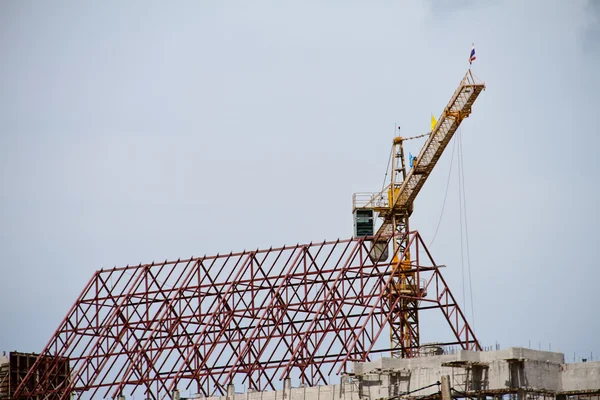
{"x": 364, "y": 223}
{"x": 364, "y": 226}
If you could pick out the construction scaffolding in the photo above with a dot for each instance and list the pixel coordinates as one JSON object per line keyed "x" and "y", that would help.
{"x": 255, "y": 318}
{"x": 16, "y": 366}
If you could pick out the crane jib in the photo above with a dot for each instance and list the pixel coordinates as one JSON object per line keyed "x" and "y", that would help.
{"x": 458, "y": 108}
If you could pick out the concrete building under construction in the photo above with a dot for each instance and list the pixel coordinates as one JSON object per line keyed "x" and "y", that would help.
{"x": 516, "y": 373}
{"x": 309, "y": 321}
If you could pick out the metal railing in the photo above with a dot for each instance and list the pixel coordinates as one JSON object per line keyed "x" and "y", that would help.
{"x": 369, "y": 200}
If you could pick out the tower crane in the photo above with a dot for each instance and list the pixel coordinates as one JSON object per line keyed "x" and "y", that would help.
{"x": 394, "y": 205}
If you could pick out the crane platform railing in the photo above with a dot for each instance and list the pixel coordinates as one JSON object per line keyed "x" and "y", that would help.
{"x": 370, "y": 200}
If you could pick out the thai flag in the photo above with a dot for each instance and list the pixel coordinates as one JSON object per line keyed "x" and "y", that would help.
{"x": 472, "y": 56}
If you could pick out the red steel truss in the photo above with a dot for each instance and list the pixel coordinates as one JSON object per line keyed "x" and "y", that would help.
{"x": 251, "y": 318}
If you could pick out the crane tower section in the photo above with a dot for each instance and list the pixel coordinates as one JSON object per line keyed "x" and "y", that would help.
{"x": 394, "y": 205}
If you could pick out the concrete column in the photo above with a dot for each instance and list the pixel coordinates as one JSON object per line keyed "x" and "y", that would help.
{"x": 231, "y": 391}
{"x": 446, "y": 395}
{"x": 287, "y": 389}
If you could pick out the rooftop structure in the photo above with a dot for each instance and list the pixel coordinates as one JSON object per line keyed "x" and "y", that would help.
{"x": 252, "y": 318}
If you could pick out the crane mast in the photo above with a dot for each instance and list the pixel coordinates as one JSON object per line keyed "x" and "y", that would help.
{"x": 394, "y": 205}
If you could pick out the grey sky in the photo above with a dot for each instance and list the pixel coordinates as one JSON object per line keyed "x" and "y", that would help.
{"x": 136, "y": 131}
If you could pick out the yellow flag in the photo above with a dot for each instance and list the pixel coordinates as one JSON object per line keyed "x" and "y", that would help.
{"x": 433, "y": 122}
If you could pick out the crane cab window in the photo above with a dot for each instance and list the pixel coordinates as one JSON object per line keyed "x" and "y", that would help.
{"x": 364, "y": 223}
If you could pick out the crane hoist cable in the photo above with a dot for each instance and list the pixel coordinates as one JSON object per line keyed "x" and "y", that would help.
{"x": 445, "y": 194}
{"x": 463, "y": 206}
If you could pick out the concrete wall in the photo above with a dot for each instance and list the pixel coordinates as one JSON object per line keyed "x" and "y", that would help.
{"x": 581, "y": 376}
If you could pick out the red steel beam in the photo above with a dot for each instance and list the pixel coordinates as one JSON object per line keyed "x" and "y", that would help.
{"x": 253, "y": 317}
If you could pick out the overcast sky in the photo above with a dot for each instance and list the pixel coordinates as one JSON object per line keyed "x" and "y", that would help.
{"x": 138, "y": 131}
